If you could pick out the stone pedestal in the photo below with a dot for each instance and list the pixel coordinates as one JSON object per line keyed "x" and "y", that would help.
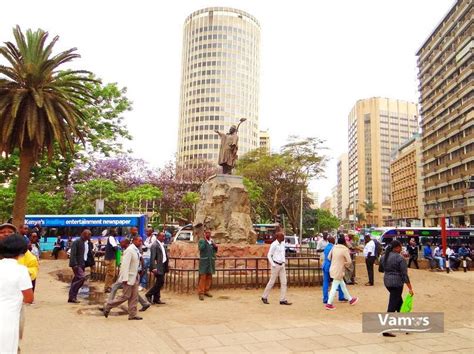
{"x": 224, "y": 208}
{"x": 183, "y": 251}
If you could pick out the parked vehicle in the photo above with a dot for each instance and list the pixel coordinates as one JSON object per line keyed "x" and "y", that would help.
{"x": 184, "y": 234}
{"x": 292, "y": 244}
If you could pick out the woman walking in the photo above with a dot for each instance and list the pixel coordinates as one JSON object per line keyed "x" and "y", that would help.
{"x": 15, "y": 288}
{"x": 340, "y": 259}
{"x": 395, "y": 270}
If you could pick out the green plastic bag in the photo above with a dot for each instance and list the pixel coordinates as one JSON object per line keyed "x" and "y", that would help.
{"x": 407, "y": 304}
{"x": 118, "y": 257}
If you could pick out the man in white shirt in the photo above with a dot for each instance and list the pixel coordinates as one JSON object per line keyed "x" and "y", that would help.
{"x": 146, "y": 248}
{"x": 276, "y": 258}
{"x": 322, "y": 243}
{"x": 437, "y": 255}
{"x": 369, "y": 254}
{"x": 111, "y": 248}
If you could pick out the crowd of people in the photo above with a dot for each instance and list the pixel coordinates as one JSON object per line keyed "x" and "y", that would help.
{"x": 142, "y": 263}
{"x": 455, "y": 258}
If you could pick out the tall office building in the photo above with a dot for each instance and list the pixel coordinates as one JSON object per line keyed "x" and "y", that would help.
{"x": 315, "y": 200}
{"x": 377, "y": 127}
{"x": 327, "y": 204}
{"x": 220, "y": 82}
{"x": 342, "y": 186}
{"x": 445, "y": 63}
{"x": 407, "y": 184}
{"x": 334, "y": 200}
{"x": 264, "y": 140}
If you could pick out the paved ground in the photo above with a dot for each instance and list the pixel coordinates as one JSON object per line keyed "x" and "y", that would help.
{"x": 236, "y": 321}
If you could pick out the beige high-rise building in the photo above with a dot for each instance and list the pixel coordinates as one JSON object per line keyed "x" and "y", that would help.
{"x": 315, "y": 197}
{"x": 334, "y": 200}
{"x": 342, "y": 186}
{"x": 377, "y": 127}
{"x": 445, "y": 64}
{"x": 407, "y": 184}
{"x": 264, "y": 140}
{"x": 327, "y": 204}
{"x": 220, "y": 82}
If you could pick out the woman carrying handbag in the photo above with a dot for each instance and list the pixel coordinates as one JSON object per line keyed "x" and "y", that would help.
{"x": 395, "y": 270}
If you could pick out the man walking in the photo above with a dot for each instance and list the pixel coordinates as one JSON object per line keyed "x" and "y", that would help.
{"x": 77, "y": 261}
{"x": 276, "y": 258}
{"x": 326, "y": 276}
{"x": 369, "y": 254}
{"x": 111, "y": 248}
{"x": 119, "y": 285}
{"x": 159, "y": 267}
{"x": 207, "y": 264}
{"x": 129, "y": 277}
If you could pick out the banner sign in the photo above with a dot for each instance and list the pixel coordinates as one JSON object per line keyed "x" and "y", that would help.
{"x": 86, "y": 221}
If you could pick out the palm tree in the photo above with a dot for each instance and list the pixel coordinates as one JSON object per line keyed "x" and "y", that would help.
{"x": 360, "y": 217}
{"x": 369, "y": 207}
{"x": 39, "y": 105}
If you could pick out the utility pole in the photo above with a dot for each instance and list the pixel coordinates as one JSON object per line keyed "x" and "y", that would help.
{"x": 301, "y": 218}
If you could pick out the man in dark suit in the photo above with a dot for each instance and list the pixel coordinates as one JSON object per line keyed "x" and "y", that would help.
{"x": 77, "y": 261}
{"x": 159, "y": 267}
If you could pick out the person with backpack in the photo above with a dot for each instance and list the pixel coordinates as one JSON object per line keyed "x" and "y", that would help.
{"x": 370, "y": 257}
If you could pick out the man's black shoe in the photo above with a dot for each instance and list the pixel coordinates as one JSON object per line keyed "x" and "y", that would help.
{"x": 386, "y": 334}
{"x": 74, "y": 301}
{"x": 159, "y": 302}
{"x": 106, "y": 313}
{"x": 136, "y": 318}
{"x": 144, "y": 308}
{"x": 265, "y": 301}
{"x": 285, "y": 303}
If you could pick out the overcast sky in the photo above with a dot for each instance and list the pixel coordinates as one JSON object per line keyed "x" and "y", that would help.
{"x": 317, "y": 59}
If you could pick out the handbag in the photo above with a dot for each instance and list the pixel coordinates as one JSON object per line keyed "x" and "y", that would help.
{"x": 407, "y": 304}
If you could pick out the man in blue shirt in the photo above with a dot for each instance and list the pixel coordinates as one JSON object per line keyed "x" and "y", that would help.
{"x": 326, "y": 277}
{"x": 428, "y": 255}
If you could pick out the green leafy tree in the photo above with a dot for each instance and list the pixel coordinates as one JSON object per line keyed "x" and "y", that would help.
{"x": 85, "y": 194}
{"x": 325, "y": 221}
{"x": 45, "y": 203}
{"x": 190, "y": 200}
{"x": 145, "y": 193}
{"x": 283, "y": 176}
{"x": 39, "y": 105}
{"x": 7, "y": 196}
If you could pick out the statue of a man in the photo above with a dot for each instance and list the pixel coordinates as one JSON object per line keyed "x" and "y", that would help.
{"x": 229, "y": 147}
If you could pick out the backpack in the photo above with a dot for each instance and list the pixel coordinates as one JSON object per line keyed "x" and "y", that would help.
{"x": 378, "y": 248}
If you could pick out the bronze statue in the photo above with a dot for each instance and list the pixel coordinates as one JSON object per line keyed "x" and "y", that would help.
{"x": 228, "y": 148}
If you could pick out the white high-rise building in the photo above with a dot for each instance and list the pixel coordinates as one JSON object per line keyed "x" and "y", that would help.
{"x": 220, "y": 83}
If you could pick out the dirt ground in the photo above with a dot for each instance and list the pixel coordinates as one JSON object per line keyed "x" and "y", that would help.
{"x": 237, "y": 321}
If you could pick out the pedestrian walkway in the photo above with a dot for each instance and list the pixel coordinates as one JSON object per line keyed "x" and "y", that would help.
{"x": 237, "y": 321}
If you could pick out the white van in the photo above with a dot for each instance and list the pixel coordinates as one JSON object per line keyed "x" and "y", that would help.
{"x": 184, "y": 234}
{"x": 292, "y": 244}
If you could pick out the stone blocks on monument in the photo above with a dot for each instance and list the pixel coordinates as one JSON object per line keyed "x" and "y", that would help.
{"x": 183, "y": 251}
{"x": 224, "y": 208}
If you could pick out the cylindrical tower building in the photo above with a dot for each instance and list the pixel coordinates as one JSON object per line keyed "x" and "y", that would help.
{"x": 219, "y": 83}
